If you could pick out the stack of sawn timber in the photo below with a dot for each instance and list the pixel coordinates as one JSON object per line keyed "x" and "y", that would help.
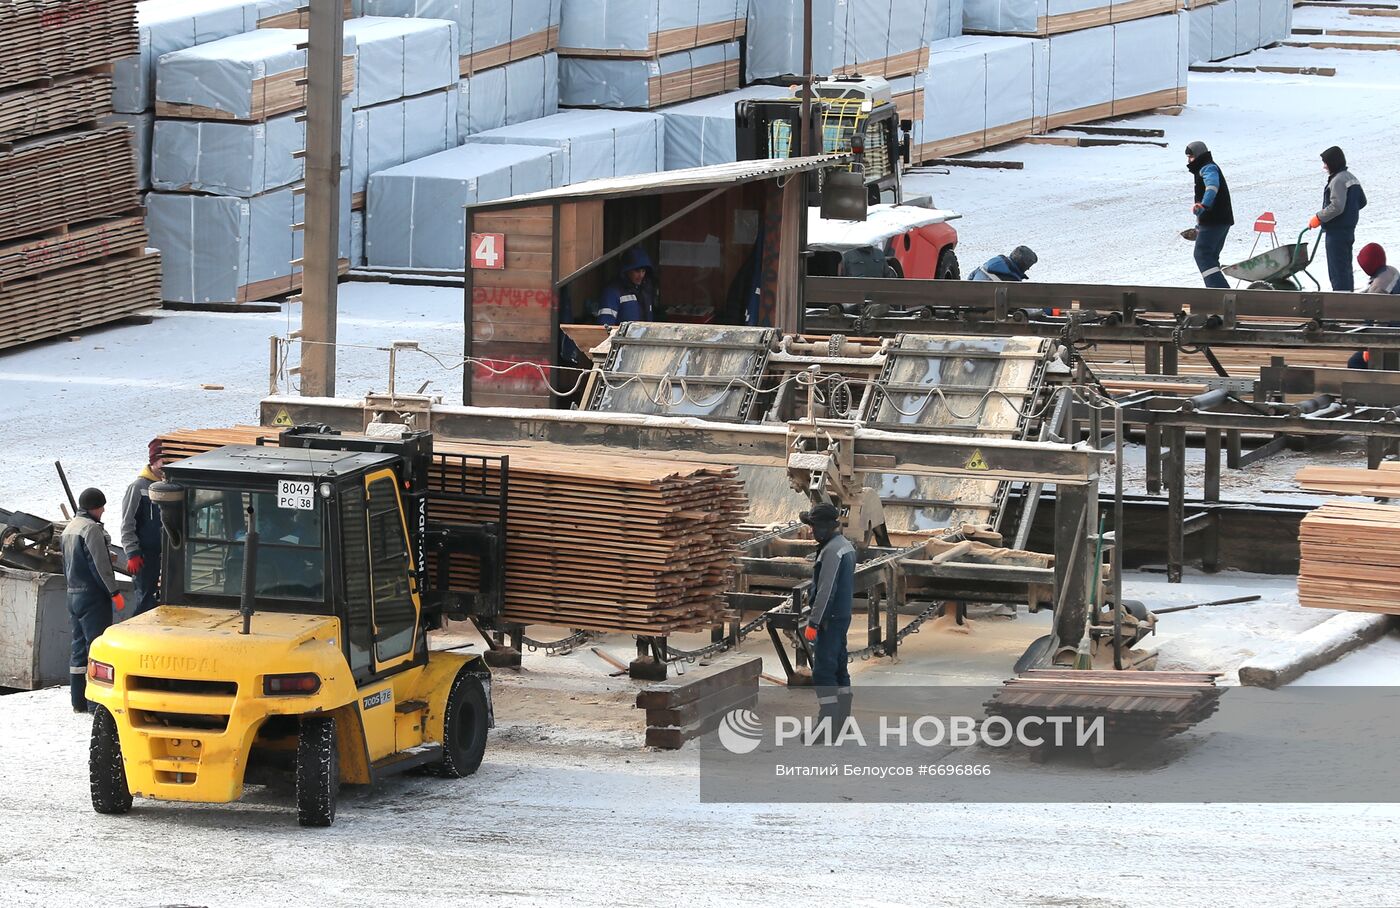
{"x": 1351, "y": 558}
{"x": 71, "y": 256}
{"x": 1137, "y": 703}
{"x": 677, "y": 712}
{"x": 595, "y": 541}
{"x": 1382, "y": 483}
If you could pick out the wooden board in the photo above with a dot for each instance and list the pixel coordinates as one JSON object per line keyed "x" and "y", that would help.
{"x": 46, "y": 39}
{"x": 529, "y": 46}
{"x": 696, "y": 82}
{"x": 37, "y": 110}
{"x": 669, "y": 41}
{"x": 63, "y": 301}
{"x": 1350, "y": 558}
{"x": 72, "y": 178}
{"x": 71, "y": 246}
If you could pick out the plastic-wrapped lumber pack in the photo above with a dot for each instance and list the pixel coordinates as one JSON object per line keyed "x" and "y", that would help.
{"x": 886, "y": 38}
{"x": 251, "y": 76}
{"x": 1038, "y": 18}
{"x": 166, "y": 26}
{"x": 593, "y": 143}
{"x": 399, "y": 58}
{"x": 1231, "y": 27}
{"x": 979, "y": 92}
{"x": 232, "y": 158}
{"x": 226, "y": 249}
{"x": 700, "y": 133}
{"x": 388, "y": 135}
{"x": 648, "y": 28}
{"x": 415, "y": 217}
{"x": 489, "y": 32}
{"x": 299, "y": 15}
{"x": 357, "y": 239}
{"x": 142, "y": 128}
{"x": 1112, "y": 70}
{"x": 524, "y": 90}
{"x": 909, "y": 96}
{"x": 72, "y": 244}
{"x": 642, "y": 84}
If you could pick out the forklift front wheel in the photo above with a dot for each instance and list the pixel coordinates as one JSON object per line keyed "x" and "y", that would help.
{"x": 106, "y": 772}
{"x": 463, "y": 728}
{"x": 318, "y": 771}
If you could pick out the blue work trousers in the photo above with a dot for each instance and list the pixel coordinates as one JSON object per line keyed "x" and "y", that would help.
{"x": 830, "y": 673}
{"x": 1209, "y": 241}
{"x": 1339, "y": 242}
{"x": 89, "y": 613}
{"x": 144, "y": 587}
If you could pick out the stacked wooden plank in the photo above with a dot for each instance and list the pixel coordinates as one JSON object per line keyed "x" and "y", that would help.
{"x": 1351, "y": 558}
{"x": 71, "y": 253}
{"x": 1143, "y": 704}
{"x": 1382, "y": 483}
{"x": 594, "y": 541}
{"x": 678, "y": 712}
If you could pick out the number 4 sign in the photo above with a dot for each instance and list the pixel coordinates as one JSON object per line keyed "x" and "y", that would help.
{"x": 489, "y": 251}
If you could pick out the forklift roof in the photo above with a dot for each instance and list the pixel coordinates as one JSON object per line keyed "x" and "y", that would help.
{"x": 270, "y": 461}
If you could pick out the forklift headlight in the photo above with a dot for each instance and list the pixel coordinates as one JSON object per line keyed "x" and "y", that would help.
{"x": 101, "y": 672}
{"x": 327, "y": 490}
{"x": 282, "y": 685}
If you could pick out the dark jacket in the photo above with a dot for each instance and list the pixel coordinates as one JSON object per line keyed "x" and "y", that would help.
{"x": 1000, "y": 268}
{"x": 141, "y": 518}
{"x": 86, "y": 561}
{"x": 624, "y": 301}
{"x": 833, "y": 580}
{"x": 1212, "y": 191}
{"x": 1342, "y": 201}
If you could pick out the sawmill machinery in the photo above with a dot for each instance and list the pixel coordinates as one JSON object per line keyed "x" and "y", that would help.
{"x": 292, "y": 630}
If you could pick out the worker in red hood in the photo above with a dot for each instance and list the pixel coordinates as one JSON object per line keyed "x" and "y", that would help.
{"x": 1384, "y": 278}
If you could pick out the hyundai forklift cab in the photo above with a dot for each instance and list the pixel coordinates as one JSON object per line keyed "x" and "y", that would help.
{"x": 293, "y": 628}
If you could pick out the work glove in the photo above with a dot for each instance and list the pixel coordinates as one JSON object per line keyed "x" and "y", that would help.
{"x": 1315, "y": 223}
{"x": 134, "y": 564}
{"x": 119, "y": 602}
{"x": 1197, "y": 208}
{"x": 809, "y": 633}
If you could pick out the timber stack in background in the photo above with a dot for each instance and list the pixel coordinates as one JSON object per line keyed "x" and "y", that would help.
{"x": 72, "y": 243}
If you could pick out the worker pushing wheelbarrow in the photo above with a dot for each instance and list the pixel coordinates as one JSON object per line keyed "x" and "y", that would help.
{"x": 1277, "y": 268}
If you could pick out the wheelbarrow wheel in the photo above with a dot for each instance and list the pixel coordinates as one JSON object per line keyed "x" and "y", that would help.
{"x": 1261, "y": 285}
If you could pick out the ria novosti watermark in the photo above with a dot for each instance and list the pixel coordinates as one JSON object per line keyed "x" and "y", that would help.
{"x": 741, "y": 731}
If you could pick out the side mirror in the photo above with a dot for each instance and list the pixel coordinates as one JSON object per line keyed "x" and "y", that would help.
{"x": 844, "y": 196}
{"x": 170, "y": 498}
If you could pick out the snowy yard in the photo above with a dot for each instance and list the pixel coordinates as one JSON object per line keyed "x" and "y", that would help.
{"x": 568, "y": 807}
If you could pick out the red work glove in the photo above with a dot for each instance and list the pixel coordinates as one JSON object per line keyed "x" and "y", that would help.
{"x": 1197, "y": 208}
{"x": 119, "y": 602}
{"x": 134, "y": 564}
{"x": 809, "y": 634}
{"x": 1315, "y": 223}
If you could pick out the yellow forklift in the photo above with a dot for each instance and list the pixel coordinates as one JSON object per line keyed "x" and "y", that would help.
{"x": 292, "y": 633}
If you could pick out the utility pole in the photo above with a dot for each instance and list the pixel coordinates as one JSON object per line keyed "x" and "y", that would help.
{"x": 321, "y": 215}
{"x": 805, "y": 142}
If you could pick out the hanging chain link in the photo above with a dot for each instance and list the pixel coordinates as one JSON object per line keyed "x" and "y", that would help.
{"x": 561, "y": 647}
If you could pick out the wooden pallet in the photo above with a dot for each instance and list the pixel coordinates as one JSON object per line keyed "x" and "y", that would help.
{"x": 596, "y": 541}
{"x": 60, "y": 302}
{"x": 1350, "y": 558}
{"x": 48, "y": 183}
{"x": 46, "y": 39}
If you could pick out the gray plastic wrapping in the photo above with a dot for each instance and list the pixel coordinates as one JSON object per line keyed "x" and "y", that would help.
{"x": 1100, "y": 66}
{"x": 416, "y": 218}
{"x": 699, "y": 133}
{"x": 594, "y": 143}
{"x": 212, "y": 247}
{"x": 481, "y": 24}
{"x": 398, "y": 58}
{"x": 628, "y": 25}
{"x": 1026, "y": 17}
{"x": 623, "y": 83}
{"x": 221, "y": 74}
{"x": 1233, "y": 27}
{"x": 846, "y": 34}
{"x": 388, "y": 135}
{"x": 234, "y": 159}
{"x": 524, "y": 90}
{"x": 975, "y": 85}
{"x": 357, "y": 239}
{"x": 165, "y": 26}
{"x": 140, "y": 125}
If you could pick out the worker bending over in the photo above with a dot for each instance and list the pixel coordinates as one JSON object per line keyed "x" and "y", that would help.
{"x": 1384, "y": 279}
{"x": 833, "y": 589}
{"x": 631, "y": 296}
{"x": 1014, "y": 266}
{"x": 92, "y": 587}
{"x": 141, "y": 533}
{"x": 1214, "y": 213}
{"x": 1342, "y": 201}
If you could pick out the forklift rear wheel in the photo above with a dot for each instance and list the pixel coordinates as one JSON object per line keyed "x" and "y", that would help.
{"x": 947, "y": 268}
{"x": 106, "y": 772}
{"x": 463, "y": 728}
{"x": 318, "y": 771}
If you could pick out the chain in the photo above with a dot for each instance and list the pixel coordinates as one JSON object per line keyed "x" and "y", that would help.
{"x": 561, "y": 647}
{"x": 878, "y": 649}
{"x": 719, "y": 646}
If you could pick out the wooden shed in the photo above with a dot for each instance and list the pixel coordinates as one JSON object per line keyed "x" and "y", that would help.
{"x": 727, "y": 241}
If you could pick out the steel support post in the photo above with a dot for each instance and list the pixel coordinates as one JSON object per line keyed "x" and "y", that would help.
{"x": 1176, "y": 502}
{"x": 1212, "y": 452}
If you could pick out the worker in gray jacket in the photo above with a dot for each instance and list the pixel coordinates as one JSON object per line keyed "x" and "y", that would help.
{"x": 1342, "y": 201}
{"x": 141, "y": 534}
{"x": 833, "y": 592}
{"x": 92, "y": 587}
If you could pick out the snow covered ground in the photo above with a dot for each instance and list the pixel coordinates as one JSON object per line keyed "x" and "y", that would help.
{"x": 568, "y": 808}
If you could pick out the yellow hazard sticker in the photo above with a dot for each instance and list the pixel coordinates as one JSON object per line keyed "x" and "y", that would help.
{"x": 283, "y": 418}
{"x": 976, "y": 461}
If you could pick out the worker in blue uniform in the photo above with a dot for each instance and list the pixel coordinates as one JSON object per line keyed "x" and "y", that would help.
{"x": 631, "y": 296}
{"x": 829, "y": 619}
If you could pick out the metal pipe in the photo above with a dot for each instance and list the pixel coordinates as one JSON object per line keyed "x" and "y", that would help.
{"x": 1118, "y": 538}
{"x": 1207, "y": 401}
{"x": 806, "y": 133}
